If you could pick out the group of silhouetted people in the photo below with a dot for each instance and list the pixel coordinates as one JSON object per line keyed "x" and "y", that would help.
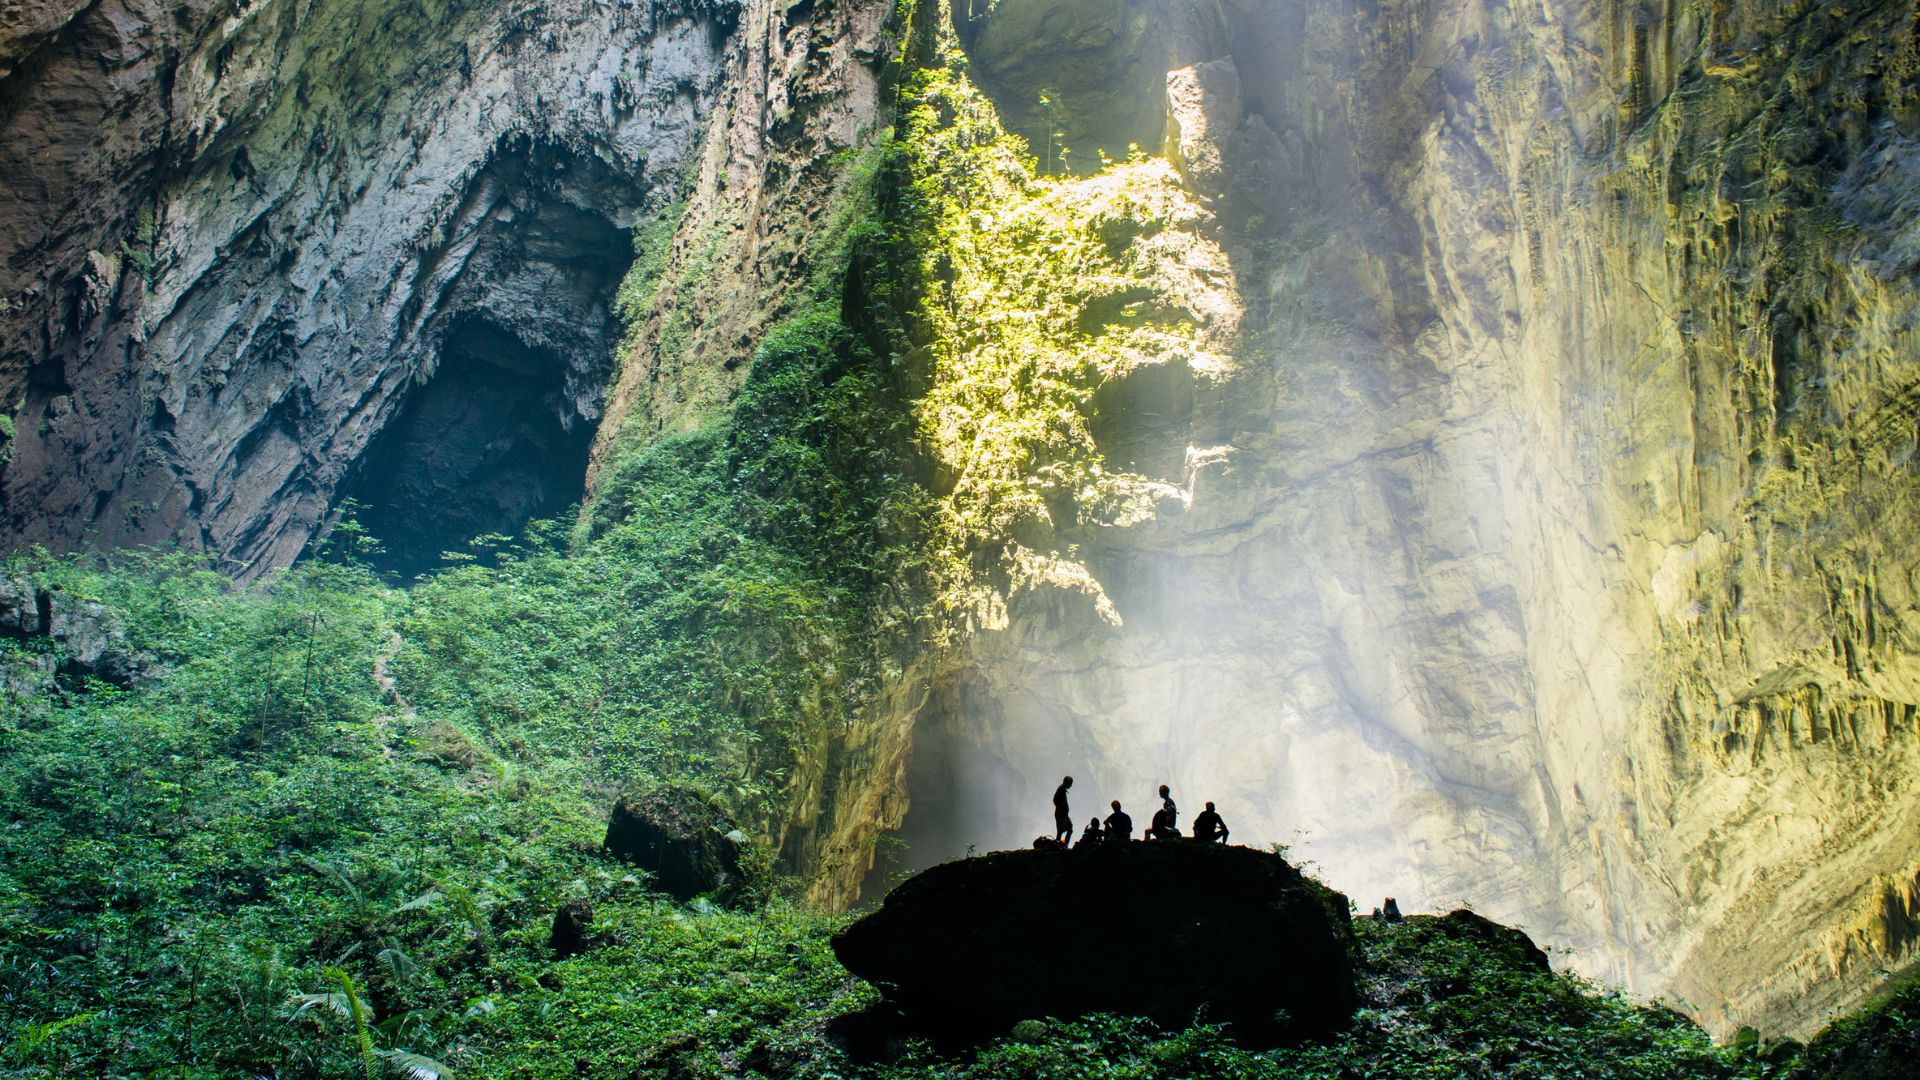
{"x": 1118, "y": 828}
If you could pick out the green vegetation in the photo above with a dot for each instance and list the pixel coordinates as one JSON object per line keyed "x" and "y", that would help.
{"x": 190, "y": 856}
{"x": 256, "y": 865}
{"x": 652, "y": 243}
{"x": 1038, "y": 292}
{"x": 1879, "y": 1041}
{"x": 329, "y": 837}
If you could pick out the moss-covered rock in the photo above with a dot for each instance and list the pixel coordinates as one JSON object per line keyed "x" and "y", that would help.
{"x": 689, "y": 845}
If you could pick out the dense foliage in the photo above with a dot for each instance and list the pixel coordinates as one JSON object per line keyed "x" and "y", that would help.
{"x": 261, "y": 865}
{"x": 185, "y": 859}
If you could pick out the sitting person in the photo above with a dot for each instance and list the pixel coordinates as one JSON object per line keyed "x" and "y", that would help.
{"x": 1166, "y": 819}
{"x": 1119, "y": 828}
{"x": 1208, "y": 828}
{"x": 1091, "y": 836}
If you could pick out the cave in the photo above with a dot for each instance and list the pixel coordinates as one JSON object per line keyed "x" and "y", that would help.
{"x": 497, "y": 427}
{"x": 484, "y": 447}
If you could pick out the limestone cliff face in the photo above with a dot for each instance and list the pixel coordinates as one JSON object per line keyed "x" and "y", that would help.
{"x": 1548, "y": 549}
{"x": 240, "y": 241}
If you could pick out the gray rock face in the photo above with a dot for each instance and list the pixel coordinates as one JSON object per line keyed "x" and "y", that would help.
{"x": 1543, "y": 547}
{"x": 294, "y": 215}
{"x": 64, "y": 636}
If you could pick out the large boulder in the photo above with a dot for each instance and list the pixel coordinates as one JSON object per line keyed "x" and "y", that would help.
{"x": 689, "y": 845}
{"x": 1168, "y": 930}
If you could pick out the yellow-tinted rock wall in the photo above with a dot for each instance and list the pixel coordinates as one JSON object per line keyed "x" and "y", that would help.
{"x": 1549, "y": 548}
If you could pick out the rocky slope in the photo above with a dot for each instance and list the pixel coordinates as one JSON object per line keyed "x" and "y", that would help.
{"x": 1481, "y": 451}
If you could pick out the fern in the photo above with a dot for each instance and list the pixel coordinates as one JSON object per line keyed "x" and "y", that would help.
{"x": 33, "y": 1037}
{"x": 412, "y": 1066}
{"x": 359, "y": 1013}
{"x": 346, "y": 1004}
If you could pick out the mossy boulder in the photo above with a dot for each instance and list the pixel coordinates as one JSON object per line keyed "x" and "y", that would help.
{"x": 1168, "y": 930}
{"x": 689, "y": 845}
{"x": 1510, "y": 947}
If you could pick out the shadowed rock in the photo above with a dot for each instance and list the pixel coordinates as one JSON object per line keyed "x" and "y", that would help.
{"x": 84, "y": 638}
{"x": 1164, "y": 930}
{"x": 572, "y": 928}
{"x": 1511, "y": 945}
{"x": 687, "y": 845}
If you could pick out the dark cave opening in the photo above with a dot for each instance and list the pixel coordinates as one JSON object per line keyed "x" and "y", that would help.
{"x": 522, "y": 338}
{"x": 484, "y": 447}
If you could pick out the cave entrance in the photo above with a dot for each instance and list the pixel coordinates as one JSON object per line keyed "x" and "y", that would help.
{"x": 522, "y": 340}
{"x": 488, "y": 444}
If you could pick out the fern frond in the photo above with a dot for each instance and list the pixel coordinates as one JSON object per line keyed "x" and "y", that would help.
{"x": 424, "y": 900}
{"x": 412, "y": 1066}
{"x": 359, "y": 1014}
{"x": 332, "y": 1001}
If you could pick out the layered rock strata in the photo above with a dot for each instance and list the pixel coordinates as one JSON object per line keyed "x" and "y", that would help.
{"x": 235, "y": 238}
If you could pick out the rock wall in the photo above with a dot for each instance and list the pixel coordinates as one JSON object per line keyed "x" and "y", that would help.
{"x": 234, "y": 236}
{"x": 1548, "y": 550}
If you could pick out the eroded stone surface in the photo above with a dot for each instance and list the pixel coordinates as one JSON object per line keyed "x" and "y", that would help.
{"x": 288, "y": 214}
{"x": 1556, "y": 560}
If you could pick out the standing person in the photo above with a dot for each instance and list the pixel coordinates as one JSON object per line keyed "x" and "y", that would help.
{"x": 1062, "y": 819}
{"x": 1208, "y": 828}
{"x": 1119, "y": 826}
{"x": 1166, "y": 820}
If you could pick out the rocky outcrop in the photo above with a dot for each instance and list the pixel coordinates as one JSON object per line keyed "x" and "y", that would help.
{"x": 682, "y": 839}
{"x": 768, "y": 191}
{"x": 63, "y": 637}
{"x": 1162, "y": 929}
{"x": 572, "y": 930}
{"x": 1495, "y": 945}
{"x": 249, "y": 247}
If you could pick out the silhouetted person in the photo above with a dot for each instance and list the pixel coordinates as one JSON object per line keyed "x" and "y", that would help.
{"x": 1166, "y": 819}
{"x": 1062, "y": 820}
{"x": 1119, "y": 826}
{"x": 1092, "y": 836}
{"x": 1392, "y": 910}
{"x": 1208, "y": 827}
